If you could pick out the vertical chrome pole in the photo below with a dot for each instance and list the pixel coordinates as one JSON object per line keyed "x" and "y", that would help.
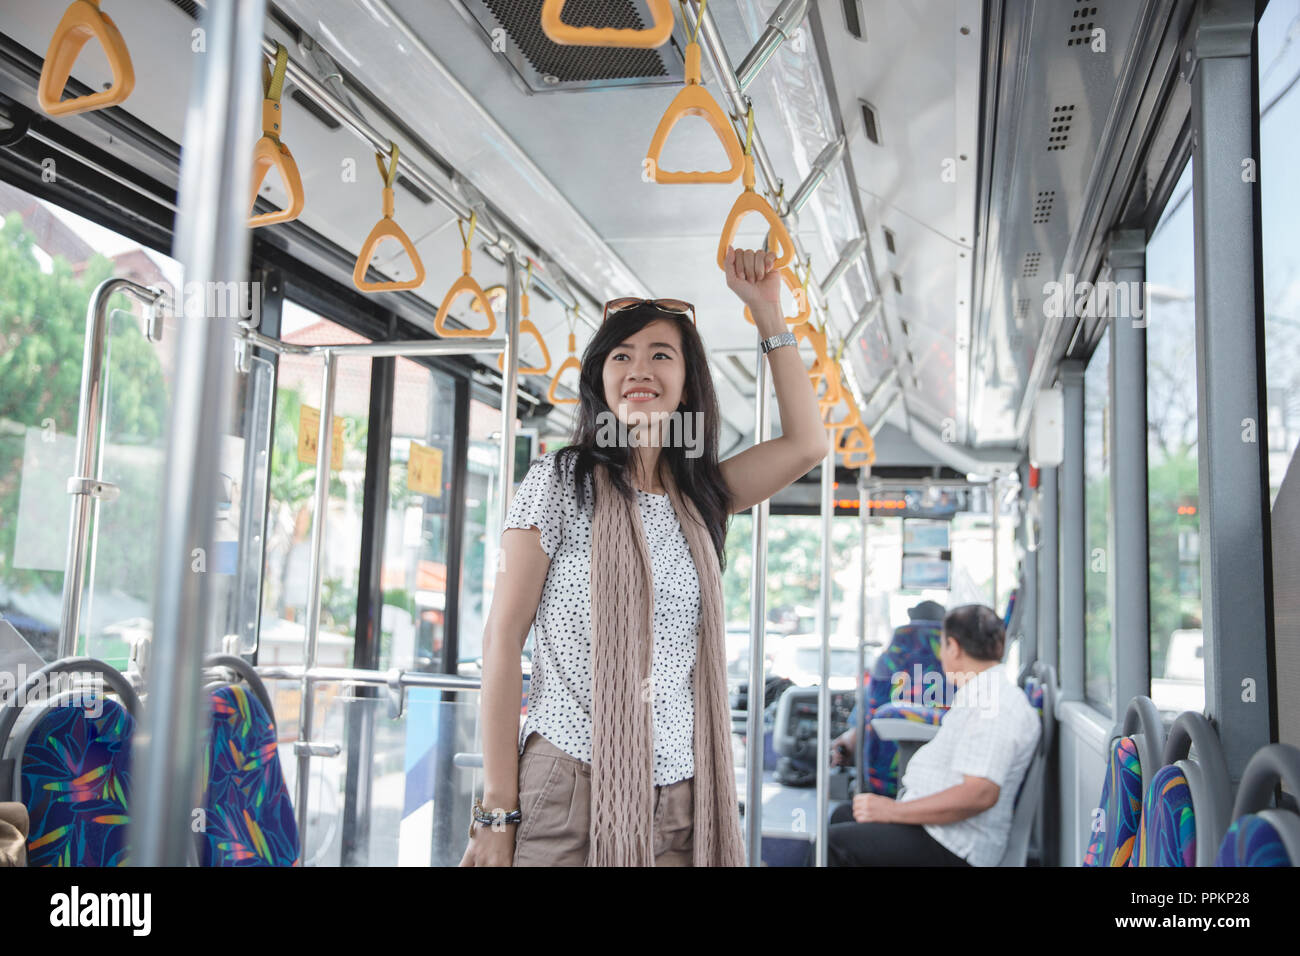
{"x": 315, "y": 578}
{"x": 864, "y": 523}
{"x": 824, "y": 613}
{"x": 84, "y": 486}
{"x": 757, "y": 634}
{"x": 509, "y": 388}
{"x": 212, "y": 244}
{"x": 994, "y": 504}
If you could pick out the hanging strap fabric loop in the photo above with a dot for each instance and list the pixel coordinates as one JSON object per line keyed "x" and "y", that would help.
{"x": 473, "y": 221}
{"x": 698, "y": 19}
{"x": 273, "y": 80}
{"x": 749, "y": 131}
{"x": 388, "y": 170}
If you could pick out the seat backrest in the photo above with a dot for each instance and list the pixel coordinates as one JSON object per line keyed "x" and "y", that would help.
{"x": 1261, "y": 835}
{"x": 1119, "y": 809}
{"x": 74, "y": 770}
{"x": 249, "y": 818}
{"x": 1040, "y": 689}
{"x": 902, "y": 674}
{"x": 1186, "y": 821}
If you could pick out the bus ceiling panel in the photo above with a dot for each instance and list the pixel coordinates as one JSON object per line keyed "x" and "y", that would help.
{"x": 1059, "y": 71}
{"x": 451, "y": 89}
{"x": 910, "y": 100}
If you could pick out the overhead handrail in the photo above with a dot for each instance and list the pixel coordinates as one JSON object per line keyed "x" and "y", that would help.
{"x": 526, "y": 327}
{"x": 803, "y": 308}
{"x": 466, "y": 285}
{"x": 572, "y": 362}
{"x": 269, "y": 151}
{"x": 81, "y": 22}
{"x": 694, "y": 100}
{"x": 750, "y": 201}
{"x": 560, "y": 32}
{"x": 387, "y": 228}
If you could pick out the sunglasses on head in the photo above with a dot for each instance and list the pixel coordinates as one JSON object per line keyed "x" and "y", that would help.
{"x": 672, "y": 306}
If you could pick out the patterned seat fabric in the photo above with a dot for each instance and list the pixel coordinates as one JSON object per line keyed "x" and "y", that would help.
{"x": 249, "y": 817}
{"x": 908, "y": 672}
{"x": 1167, "y": 831}
{"x": 1121, "y": 805}
{"x": 1252, "y": 841}
{"x": 76, "y": 785}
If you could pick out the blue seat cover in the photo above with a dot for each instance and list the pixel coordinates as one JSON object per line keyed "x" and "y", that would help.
{"x": 1167, "y": 831}
{"x": 1252, "y": 841}
{"x": 1120, "y": 805}
{"x": 249, "y": 817}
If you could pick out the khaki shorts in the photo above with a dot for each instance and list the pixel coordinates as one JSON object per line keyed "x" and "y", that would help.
{"x": 555, "y": 798}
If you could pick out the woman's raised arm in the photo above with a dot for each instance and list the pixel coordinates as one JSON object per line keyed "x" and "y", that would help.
{"x": 759, "y": 472}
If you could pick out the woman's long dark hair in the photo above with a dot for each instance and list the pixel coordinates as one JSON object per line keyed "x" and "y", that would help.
{"x": 698, "y": 478}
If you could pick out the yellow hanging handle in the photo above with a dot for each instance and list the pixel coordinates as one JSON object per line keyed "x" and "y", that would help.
{"x": 560, "y": 32}
{"x": 386, "y": 228}
{"x": 269, "y": 151}
{"x": 750, "y": 201}
{"x": 526, "y": 327}
{"x": 569, "y": 363}
{"x": 800, "y": 292}
{"x": 83, "y": 21}
{"x": 465, "y": 285}
{"x": 693, "y": 100}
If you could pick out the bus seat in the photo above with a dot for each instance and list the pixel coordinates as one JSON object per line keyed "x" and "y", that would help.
{"x": 76, "y": 784}
{"x": 1040, "y": 687}
{"x": 249, "y": 818}
{"x": 1188, "y": 801}
{"x": 67, "y": 761}
{"x": 1261, "y": 835}
{"x": 913, "y": 652}
{"x": 899, "y": 730}
{"x": 1140, "y": 743}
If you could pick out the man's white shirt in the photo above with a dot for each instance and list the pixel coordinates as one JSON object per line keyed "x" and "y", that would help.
{"x": 991, "y": 731}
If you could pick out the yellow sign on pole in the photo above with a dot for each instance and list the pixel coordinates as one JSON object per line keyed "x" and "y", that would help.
{"x": 309, "y": 429}
{"x": 424, "y": 470}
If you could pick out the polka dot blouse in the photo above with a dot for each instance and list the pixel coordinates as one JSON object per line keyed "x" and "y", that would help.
{"x": 559, "y": 694}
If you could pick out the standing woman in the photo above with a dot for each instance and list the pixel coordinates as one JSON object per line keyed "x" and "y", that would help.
{"x": 612, "y": 553}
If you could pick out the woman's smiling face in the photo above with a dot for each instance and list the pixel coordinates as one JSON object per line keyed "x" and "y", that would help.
{"x": 646, "y": 372}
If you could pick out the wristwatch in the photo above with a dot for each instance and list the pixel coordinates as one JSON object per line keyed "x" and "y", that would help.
{"x": 776, "y": 341}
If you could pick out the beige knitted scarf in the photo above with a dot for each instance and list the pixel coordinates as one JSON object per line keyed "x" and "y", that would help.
{"x": 622, "y": 642}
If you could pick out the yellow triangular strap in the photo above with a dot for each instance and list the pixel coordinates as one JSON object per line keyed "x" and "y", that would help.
{"x": 693, "y": 100}
{"x": 748, "y": 202}
{"x": 387, "y": 228}
{"x": 81, "y": 22}
{"x": 859, "y": 449}
{"x": 569, "y": 363}
{"x": 526, "y": 327}
{"x": 560, "y": 32}
{"x": 267, "y": 154}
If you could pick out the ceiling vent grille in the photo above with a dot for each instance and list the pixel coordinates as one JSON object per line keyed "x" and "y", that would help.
{"x": 889, "y": 239}
{"x": 1058, "y": 135}
{"x": 898, "y": 283}
{"x": 870, "y": 122}
{"x": 1029, "y": 268}
{"x": 513, "y": 29}
{"x": 853, "y": 18}
{"x": 189, "y": 6}
{"x": 1043, "y": 205}
{"x": 1022, "y": 310}
{"x": 1082, "y": 24}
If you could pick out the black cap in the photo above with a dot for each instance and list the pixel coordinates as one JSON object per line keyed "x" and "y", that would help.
{"x": 927, "y": 611}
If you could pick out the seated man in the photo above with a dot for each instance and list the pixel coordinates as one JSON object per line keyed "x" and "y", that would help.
{"x": 959, "y": 789}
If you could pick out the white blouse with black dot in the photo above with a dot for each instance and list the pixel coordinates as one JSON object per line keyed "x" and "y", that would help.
{"x": 559, "y": 693}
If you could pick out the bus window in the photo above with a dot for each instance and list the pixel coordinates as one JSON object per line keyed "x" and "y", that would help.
{"x": 289, "y": 518}
{"x": 480, "y": 540}
{"x": 1099, "y": 682}
{"x": 1177, "y": 668}
{"x": 419, "y": 504}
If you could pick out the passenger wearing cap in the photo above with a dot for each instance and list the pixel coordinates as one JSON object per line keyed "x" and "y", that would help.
{"x": 898, "y": 676}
